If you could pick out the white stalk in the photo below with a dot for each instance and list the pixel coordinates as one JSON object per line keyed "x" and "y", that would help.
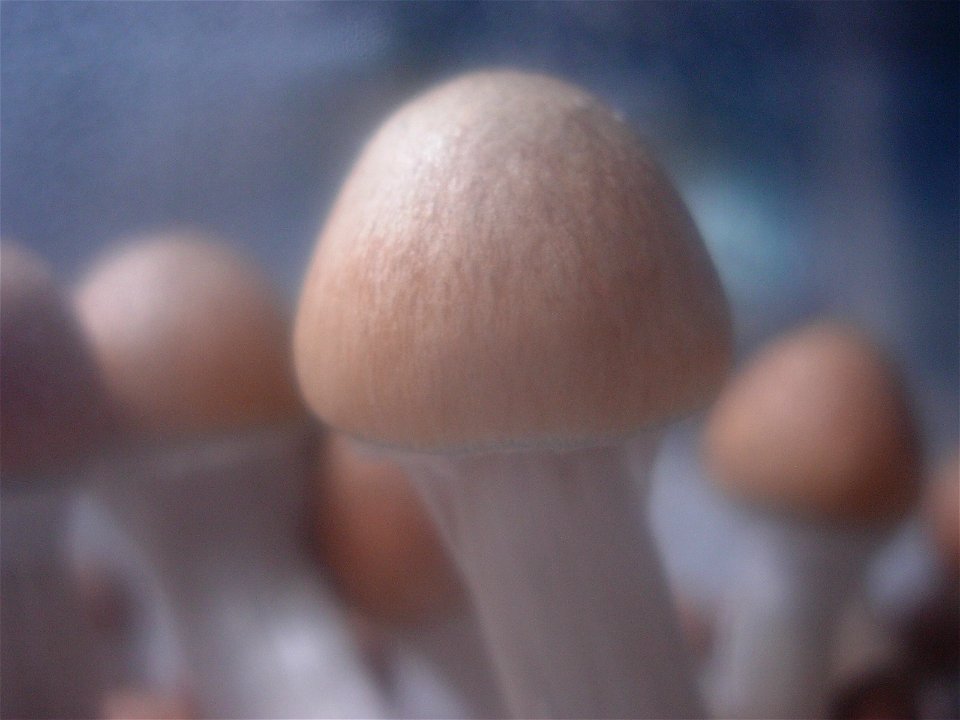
{"x": 779, "y": 616}
{"x": 49, "y": 655}
{"x": 222, "y": 522}
{"x": 567, "y": 585}
{"x": 440, "y": 668}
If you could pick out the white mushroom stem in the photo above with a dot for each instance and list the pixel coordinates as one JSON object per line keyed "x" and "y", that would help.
{"x": 221, "y": 521}
{"x": 779, "y": 616}
{"x": 440, "y": 668}
{"x": 566, "y": 582}
{"x": 51, "y": 667}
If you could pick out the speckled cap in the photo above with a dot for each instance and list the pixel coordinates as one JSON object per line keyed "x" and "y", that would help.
{"x": 506, "y": 265}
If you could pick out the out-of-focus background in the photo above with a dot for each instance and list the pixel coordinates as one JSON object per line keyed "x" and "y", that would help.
{"x": 815, "y": 143}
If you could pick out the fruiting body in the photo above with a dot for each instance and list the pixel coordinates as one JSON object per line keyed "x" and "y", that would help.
{"x": 506, "y": 265}
{"x": 506, "y": 288}
{"x": 195, "y": 348}
{"x": 815, "y": 436}
{"x": 54, "y": 419}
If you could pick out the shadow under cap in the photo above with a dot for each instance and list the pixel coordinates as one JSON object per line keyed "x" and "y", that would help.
{"x": 506, "y": 263}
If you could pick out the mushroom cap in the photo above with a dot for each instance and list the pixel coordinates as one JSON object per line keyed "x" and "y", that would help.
{"x": 190, "y": 336}
{"x": 817, "y": 426}
{"x": 377, "y": 538}
{"x": 506, "y": 265}
{"x": 54, "y": 409}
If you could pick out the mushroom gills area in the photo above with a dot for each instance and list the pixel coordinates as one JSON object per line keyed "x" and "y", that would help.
{"x": 566, "y": 581}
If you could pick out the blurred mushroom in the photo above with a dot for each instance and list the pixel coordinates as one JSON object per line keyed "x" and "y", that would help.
{"x": 195, "y": 349}
{"x": 816, "y": 435}
{"x": 508, "y": 288}
{"x": 54, "y": 419}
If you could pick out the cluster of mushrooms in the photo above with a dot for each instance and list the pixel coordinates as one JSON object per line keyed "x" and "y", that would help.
{"x": 506, "y": 308}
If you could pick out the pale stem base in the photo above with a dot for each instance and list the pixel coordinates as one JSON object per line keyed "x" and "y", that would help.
{"x": 567, "y": 585}
{"x": 779, "y": 617}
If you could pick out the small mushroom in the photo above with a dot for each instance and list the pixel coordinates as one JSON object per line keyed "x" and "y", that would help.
{"x": 195, "y": 348}
{"x": 510, "y": 298}
{"x": 816, "y": 437}
{"x": 55, "y": 418}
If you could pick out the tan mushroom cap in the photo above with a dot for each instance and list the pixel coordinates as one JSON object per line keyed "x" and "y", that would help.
{"x": 55, "y": 410}
{"x": 507, "y": 265}
{"x": 817, "y": 426}
{"x": 190, "y": 336}
{"x": 376, "y": 536}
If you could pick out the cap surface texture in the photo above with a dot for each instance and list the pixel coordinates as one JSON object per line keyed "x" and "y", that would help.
{"x": 507, "y": 265}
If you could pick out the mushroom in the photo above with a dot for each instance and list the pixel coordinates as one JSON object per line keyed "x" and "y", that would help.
{"x": 54, "y": 418}
{"x": 816, "y": 435}
{"x": 510, "y": 298}
{"x": 194, "y": 347}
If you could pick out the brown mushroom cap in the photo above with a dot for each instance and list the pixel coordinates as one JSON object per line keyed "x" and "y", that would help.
{"x": 54, "y": 408}
{"x": 377, "y": 538}
{"x": 507, "y": 265}
{"x": 191, "y": 338}
{"x": 817, "y": 426}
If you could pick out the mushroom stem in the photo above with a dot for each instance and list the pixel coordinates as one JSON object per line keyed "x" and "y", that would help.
{"x": 780, "y": 615}
{"x": 221, "y": 521}
{"x": 447, "y": 657}
{"x": 566, "y": 582}
{"x": 49, "y": 653}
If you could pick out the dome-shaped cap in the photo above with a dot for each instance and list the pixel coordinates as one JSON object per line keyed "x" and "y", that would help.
{"x": 507, "y": 265}
{"x": 190, "y": 336}
{"x": 54, "y": 408}
{"x": 817, "y": 426}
